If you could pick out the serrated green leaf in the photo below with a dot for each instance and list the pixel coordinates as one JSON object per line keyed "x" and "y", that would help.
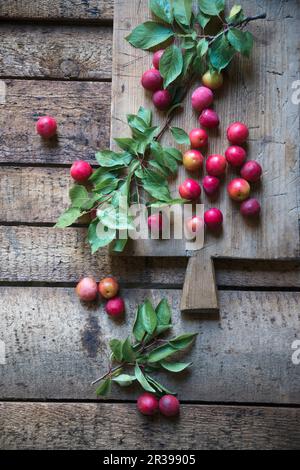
{"x": 104, "y": 389}
{"x": 116, "y": 347}
{"x": 235, "y": 10}
{"x": 124, "y": 380}
{"x": 138, "y": 328}
{"x": 162, "y": 390}
{"x": 156, "y": 185}
{"x": 163, "y": 10}
{"x": 175, "y": 366}
{"x": 220, "y": 53}
{"x": 163, "y": 313}
{"x": 149, "y": 34}
{"x": 202, "y": 47}
{"x": 203, "y": 19}
{"x": 127, "y": 144}
{"x": 160, "y": 353}
{"x": 174, "y": 152}
{"x": 128, "y": 353}
{"x": 148, "y": 317}
{"x": 136, "y": 124}
{"x": 68, "y": 217}
{"x": 78, "y": 195}
{"x": 171, "y": 64}
{"x": 146, "y": 115}
{"x": 161, "y": 168}
{"x": 183, "y": 11}
{"x": 182, "y": 341}
{"x": 180, "y": 135}
{"x": 241, "y": 41}
{"x": 211, "y": 7}
{"x": 99, "y": 236}
{"x": 109, "y": 159}
{"x": 142, "y": 379}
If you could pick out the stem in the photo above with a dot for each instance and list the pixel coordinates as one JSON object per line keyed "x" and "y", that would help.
{"x": 111, "y": 371}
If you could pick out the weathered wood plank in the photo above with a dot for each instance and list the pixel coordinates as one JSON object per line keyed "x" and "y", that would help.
{"x": 55, "y": 346}
{"x": 45, "y": 254}
{"x": 62, "y": 52}
{"x": 113, "y": 426}
{"x": 92, "y": 10}
{"x": 82, "y": 112}
{"x": 256, "y": 91}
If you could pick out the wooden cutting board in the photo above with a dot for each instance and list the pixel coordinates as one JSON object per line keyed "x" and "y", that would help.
{"x": 256, "y": 91}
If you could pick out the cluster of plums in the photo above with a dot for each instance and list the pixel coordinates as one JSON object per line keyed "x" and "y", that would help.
{"x": 153, "y": 82}
{"x": 216, "y": 165}
{"x": 87, "y": 290}
{"x": 148, "y": 404}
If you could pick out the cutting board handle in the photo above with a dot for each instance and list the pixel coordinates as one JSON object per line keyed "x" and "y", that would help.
{"x": 200, "y": 290}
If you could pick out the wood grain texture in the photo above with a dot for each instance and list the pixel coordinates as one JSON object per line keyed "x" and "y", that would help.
{"x": 82, "y": 112}
{"x": 56, "y": 346}
{"x": 257, "y": 92}
{"x": 92, "y": 10}
{"x": 113, "y": 426}
{"x": 61, "y": 52}
{"x": 43, "y": 254}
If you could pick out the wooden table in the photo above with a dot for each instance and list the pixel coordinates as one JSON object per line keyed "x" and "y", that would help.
{"x": 243, "y": 390}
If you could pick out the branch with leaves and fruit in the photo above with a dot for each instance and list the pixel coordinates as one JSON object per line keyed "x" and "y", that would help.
{"x": 143, "y": 166}
{"x": 136, "y": 359}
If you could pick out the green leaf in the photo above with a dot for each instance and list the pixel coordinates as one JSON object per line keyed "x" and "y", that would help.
{"x": 138, "y": 327}
{"x": 127, "y": 144}
{"x": 188, "y": 59}
{"x": 241, "y": 41}
{"x": 128, "y": 353}
{"x": 235, "y": 10}
{"x": 162, "y": 9}
{"x": 149, "y": 34}
{"x": 160, "y": 353}
{"x": 183, "y": 11}
{"x": 161, "y": 168}
{"x": 68, "y": 217}
{"x": 159, "y": 387}
{"x": 124, "y": 380}
{"x": 174, "y": 152}
{"x": 163, "y": 313}
{"x": 175, "y": 366}
{"x": 211, "y": 7}
{"x": 171, "y": 64}
{"x": 156, "y": 185}
{"x": 114, "y": 218}
{"x": 148, "y": 317}
{"x": 146, "y": 115}
{"x": 183, "y": 341}
{"x": 106, "y": 184}
{"x": 98, "y": 237}
{"x": 120, "y": 244}
{"x": 78, "y": 195}
{"x": 142, "y": 379}
{"x": 188, "y": 42}
{"x": 202, "y": 47}
{"x": 109, "y": 159}
{"x": 104, "y": 389}
{"x": 180, "y": 136}
{"x": 220, "y": 53}
{"x": 203, "y": 19}
{"x": 137, "y": 125}
{"x": 116, "y": 347}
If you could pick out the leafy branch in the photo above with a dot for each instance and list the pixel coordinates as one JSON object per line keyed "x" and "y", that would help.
{"x": 146, "y": 352}
{"x": 143, "y": 164}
